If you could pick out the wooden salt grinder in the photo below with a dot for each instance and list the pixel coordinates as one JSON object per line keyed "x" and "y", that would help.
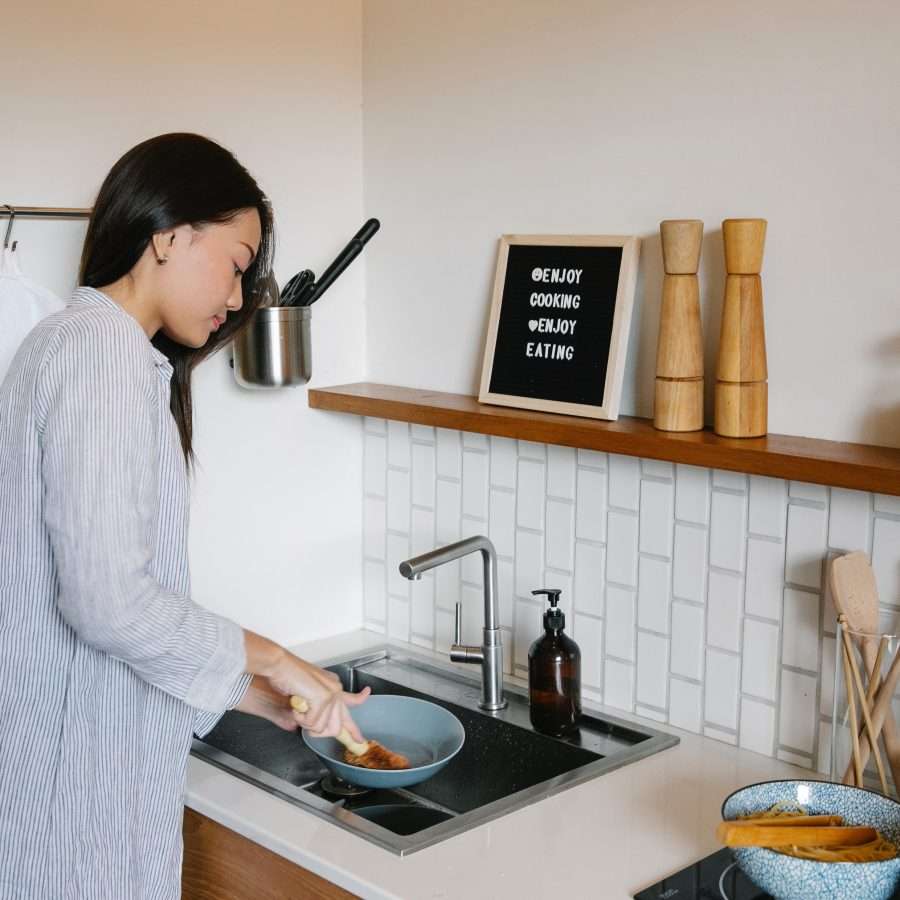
{"x": 678, "y": 403}
{"x": 741, "y": 406}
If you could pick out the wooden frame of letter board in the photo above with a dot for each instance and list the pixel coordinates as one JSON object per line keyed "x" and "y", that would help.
{"x": 618, "y": 344}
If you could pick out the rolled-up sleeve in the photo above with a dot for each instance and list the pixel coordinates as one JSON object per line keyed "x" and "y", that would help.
{"x": 99, "y": 446}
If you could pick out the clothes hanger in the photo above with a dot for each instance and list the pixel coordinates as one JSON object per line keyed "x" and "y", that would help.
{"x": 9, "y": 228}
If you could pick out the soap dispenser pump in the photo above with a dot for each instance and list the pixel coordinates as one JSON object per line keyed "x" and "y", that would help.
{"x": 554, "y": 673}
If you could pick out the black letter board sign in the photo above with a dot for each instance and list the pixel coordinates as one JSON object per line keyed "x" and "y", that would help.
{"x": 559, "y": 323}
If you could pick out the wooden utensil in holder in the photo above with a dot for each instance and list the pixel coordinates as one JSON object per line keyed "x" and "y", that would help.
{"x": 741, "y": 398}
{"x": 678, "y": 402}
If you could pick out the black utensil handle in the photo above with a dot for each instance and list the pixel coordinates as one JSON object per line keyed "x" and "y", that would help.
{"x": 342, "y": 260}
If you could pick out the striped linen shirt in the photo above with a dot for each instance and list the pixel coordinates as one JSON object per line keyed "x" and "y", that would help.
{"x": 106, "y": 664}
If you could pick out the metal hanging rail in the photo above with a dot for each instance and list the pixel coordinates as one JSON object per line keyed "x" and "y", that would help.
{"x": 38, "y": 212}
{"x": 44, "y": 212}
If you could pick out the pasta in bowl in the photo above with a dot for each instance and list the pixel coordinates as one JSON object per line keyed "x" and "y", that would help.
{"x": 867, "y": 872}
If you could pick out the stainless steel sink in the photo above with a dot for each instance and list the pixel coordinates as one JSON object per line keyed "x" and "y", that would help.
{"x": 504, "y": 765}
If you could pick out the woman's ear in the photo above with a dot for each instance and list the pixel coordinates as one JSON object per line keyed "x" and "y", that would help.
{"x": 162, "y": 243}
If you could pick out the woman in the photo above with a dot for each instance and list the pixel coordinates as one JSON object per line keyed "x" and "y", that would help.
{"x": 107, "y": 666}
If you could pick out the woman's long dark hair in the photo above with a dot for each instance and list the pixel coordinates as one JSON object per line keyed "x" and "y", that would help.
{"x": 167, "y": 181}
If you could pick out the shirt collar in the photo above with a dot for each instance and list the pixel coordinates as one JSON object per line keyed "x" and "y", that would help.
{"x": 92, "y": 295}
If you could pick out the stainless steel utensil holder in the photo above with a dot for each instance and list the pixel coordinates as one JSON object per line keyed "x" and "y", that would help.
{"x": 275, "y": 349}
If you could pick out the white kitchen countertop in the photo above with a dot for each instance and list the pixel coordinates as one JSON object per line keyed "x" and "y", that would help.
{"x": 607, "y": 838}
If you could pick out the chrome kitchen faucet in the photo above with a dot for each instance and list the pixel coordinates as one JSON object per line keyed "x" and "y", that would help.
{"x": 490, "y": 654}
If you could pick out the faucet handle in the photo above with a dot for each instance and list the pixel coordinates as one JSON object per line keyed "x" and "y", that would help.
{"x": 457, "y": 631}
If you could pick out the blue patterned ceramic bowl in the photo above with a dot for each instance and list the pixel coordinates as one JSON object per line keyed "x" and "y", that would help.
{"x": 428, "y": 735}
{"x": 788, "y": 878}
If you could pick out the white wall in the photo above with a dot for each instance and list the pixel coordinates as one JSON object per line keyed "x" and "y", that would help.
{"x": 275, "y": 538}
{"x": 594, "y": 116}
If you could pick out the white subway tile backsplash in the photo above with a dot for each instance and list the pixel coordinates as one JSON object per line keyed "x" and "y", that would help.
{"x": 848, "y": 519}
{"x": 657, "y": 468}
{"x": 590, "y": 505}
{"x": 422, "y": 534}
{"x": 506, "y": 589}
{"x": 723, "y": 614}
{"x": 826, "y": 698}
{"x": 886, "y": 560}
{"x": 592, "y": 458}
{"x": 620, "y": 622}
{"x": 375, "y": 452}
{"x": 624, "y": 481}
{"x": 685, "y": 705}
{"x": 797, "y": 719}
{"x": 694, "y": 594}
{"x": 590, "y": 565}
{"x": 800, "y": 641}
{"x": 805, "y": 548}
{"x": 760, "y": 660}
{"x": 449, "y": 502}
{"x": 768, "y": 502}
{"x": 503, "y": 462}
{"x": 618, "y": 685}
{"x": 398, "y": 619}
{"x": 527, "y": 629}
{"x": 887, "y": 503}
{"x": 732, "y": 481}
{"x": 722, "y": 689}
{"x": 473, "y": 441}
{"x": 374, "y": 593}
{"x": 397, "y": 551}
{"x": 689, "y": 563}
{"x": 374, "y": 516}
{"x": 692, "y": 494}
{"x": 532, "y": 450}
{"x": 398, "y": 444}
{"x": 529, "y": 562}
{"x": 765, "y": 577}
{"x": 801, "y": 490}
{"x": 423, "y": 475}
{"x": 622, "y": 549}
{"x": 757, "y": 731}
{"x": 687, "y": 640}
{"x": 421, "y": 606}
{"x": 503, "y": 522}
{"x": 560, "y": 534}
{"x": 475, "y": 485}
{"x": 588, "y": 632}
{"x": 448, "y": 453}
{"x": 398, "y": 500}
{"x": 531, "y": 494}
{"x": 727, "y": 533}
{"x": 652, "y": 669}
{"x": 447, "y": 585}
{"x": 561, "y": 472}
{"x": 653, "y": 594}
{"x": 656, "y": 517}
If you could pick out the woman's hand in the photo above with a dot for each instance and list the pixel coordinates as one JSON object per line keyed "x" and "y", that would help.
{"x": 261, "y": 699}
{"x": 329, "y": 703}
{"x": 278, "y": 675}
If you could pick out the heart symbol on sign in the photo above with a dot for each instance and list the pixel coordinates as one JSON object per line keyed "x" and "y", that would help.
{"x": 532, "y": 324}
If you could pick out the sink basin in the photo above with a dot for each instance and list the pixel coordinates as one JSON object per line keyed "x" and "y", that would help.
{"x": 503, "y": 765}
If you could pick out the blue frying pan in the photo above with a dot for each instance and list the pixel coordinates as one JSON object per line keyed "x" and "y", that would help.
{"x": 428, "y": 735}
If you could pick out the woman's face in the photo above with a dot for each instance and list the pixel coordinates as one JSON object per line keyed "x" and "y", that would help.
{"x": 201, "y": 279}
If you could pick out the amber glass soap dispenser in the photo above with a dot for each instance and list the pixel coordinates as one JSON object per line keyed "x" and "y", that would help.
{"x": 554, "y": 673}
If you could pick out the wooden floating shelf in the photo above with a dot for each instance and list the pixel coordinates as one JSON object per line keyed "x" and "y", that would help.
{"x": 857, "y": 466}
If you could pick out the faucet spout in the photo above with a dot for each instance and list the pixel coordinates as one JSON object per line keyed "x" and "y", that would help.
{"x": 490, "y": 654}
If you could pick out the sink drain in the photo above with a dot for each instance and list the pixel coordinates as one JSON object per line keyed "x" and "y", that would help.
{"x": 337, "y": 787}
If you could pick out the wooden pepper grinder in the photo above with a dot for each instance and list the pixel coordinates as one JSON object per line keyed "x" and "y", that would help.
{"x": 741, "y": 388}
{"x": 678, "y": 404}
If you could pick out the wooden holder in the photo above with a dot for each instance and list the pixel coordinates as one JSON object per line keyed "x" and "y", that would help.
{"x": 741, "y": 397}
{"x": 679, "y": 350}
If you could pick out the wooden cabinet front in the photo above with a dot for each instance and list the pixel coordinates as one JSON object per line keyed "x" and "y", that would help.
{"x": 220, "y": 864}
